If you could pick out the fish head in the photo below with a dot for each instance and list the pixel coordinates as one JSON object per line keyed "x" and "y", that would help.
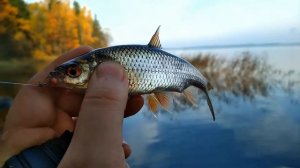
{"x": 72, "y": 74}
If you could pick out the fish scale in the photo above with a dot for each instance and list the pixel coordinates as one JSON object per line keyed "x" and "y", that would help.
{"x": 149, "y": 69}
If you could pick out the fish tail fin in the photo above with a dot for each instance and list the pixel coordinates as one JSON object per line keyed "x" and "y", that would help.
{"x": 210, "y": 104}
{"x": 205, "y": 89}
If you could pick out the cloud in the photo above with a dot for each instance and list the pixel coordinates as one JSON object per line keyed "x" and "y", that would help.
{"x": 274, "y": 132}
{"x": 145, "y": 133}
{"x": 135, "y": 20}
{"x": 184, "y": 21}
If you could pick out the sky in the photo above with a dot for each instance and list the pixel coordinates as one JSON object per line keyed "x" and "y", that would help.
{"x": 198, "y": 22}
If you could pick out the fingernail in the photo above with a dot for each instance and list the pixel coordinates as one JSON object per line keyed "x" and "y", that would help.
{"x": 124, "y": 142}
{"x": 110, "y": 70}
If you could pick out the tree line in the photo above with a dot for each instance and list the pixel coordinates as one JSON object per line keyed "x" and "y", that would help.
{"x": 46, "y": 29}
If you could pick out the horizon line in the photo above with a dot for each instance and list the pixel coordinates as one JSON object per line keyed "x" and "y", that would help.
{"x": 248, "y": 45}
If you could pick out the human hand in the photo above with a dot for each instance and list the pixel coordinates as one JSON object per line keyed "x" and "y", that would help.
{"x": 40, "y": 114}
{"x": 97, "y": 140}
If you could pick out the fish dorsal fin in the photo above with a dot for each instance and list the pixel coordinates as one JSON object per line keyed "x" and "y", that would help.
{"x": 155, "y": 42}
{"x": 152, "y": 103}
{"x": 189, "y": 96}
{"x": 163, "y": 99}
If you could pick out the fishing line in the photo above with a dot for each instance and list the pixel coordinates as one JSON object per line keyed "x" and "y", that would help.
{"x": 23, "y": 84}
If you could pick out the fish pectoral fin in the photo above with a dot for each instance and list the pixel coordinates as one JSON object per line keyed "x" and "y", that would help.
{"x": 163, "y": 99}
{"x": 155, "y": 42}
{"x": 189, "y": 96}
{"x": 152, "y": 103}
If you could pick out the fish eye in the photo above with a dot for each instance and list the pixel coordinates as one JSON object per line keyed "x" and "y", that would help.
{"x": 74, "y": 71}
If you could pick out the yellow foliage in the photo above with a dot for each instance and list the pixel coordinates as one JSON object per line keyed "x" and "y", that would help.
{"x": 8, "y": 15}
{"x": 18, "y": 36}
{"x": 2, "y": 29}
{"x": 40, "y": 55}
{"x": 24, "y": 24}
{"x": 53, "y": 28}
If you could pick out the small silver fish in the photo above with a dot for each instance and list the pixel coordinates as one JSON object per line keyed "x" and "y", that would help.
{"x": 149, "y": 69}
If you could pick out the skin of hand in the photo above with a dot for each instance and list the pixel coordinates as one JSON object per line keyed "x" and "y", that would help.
{"x": 40, "y": 114}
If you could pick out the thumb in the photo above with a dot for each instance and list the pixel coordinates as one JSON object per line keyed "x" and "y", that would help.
{"x": 97, "y": 137}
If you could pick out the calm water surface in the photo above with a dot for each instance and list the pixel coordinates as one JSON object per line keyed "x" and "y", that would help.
{"x": 257, "y": 111}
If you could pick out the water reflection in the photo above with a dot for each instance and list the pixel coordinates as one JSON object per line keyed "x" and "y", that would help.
{"x": 259, "y": 133}
{"x": 258, "y": 119}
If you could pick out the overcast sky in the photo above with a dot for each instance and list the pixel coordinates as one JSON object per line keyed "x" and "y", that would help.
{"x": 198, "y": 22}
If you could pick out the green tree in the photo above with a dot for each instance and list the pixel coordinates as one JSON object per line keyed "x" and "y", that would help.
{"x": 22, "y": 8}
{"x": 76, "y": 7}
{"x": 99, "y": 35}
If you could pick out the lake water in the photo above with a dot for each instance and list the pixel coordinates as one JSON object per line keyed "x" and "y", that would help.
{"x": 256, "y": 98}
{"x": 257, "y": 117}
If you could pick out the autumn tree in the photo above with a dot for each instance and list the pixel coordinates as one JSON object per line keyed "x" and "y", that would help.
{"x": 46, "y": 29}
{"x": 14, "y": 29}
{"x": 57, "y": 28}
{"x": 52, "y": 28}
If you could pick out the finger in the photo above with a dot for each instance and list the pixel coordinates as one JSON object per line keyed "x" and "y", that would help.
{"x": 75, "y": 121}
{"x": 126, "y": 149}
{"x": 98, "y": 130}
{"x": 49, "y": 93}
{"x": 69, "y": 101}
{"x": 69, "y": 55}
{"x": 65, "y": 57}
{"x": 63, "y": 122}
{"x": 134, "y": 104}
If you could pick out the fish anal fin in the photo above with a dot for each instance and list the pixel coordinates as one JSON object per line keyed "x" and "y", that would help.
{"x": 163, "y": 99}
{"x": 189, "y": 96}
{"x": 155, "y": 42}
{"x": 152, "y": 103}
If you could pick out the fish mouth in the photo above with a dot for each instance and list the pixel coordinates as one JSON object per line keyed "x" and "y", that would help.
{"x": 55, "y": 78}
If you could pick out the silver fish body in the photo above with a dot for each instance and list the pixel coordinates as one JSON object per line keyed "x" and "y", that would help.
{"x": 149, "y": 69}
